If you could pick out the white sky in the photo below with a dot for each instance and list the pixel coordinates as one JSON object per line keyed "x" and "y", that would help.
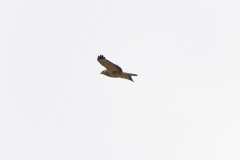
{"x": 184, "y": 104}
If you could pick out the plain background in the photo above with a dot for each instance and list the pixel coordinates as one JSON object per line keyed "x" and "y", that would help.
{"x": 184, "y": 104}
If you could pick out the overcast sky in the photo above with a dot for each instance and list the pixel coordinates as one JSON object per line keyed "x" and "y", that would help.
{"x": 183, "y": 105}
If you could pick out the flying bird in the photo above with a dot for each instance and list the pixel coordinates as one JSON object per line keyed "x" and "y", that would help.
{"x": 113, "y": 70}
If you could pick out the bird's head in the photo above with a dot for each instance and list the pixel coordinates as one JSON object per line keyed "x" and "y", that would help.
{"x": 105, "y": 72}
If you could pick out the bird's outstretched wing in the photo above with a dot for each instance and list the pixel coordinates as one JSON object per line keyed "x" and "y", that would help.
{"x": 108, "y": 65}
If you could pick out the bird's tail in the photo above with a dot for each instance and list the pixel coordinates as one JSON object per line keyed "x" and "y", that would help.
{"x": 129, "y": 74}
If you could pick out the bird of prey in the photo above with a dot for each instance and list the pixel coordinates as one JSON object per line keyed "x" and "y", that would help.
{"x": 113, "y": 70}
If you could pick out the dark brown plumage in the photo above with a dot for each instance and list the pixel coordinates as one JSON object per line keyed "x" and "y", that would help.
{"x": 113, "y": 70}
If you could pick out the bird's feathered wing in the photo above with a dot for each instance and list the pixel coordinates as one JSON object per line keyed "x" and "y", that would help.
{"x": 108, "y": 65}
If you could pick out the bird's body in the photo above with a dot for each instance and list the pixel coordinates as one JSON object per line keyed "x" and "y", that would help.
{"x": 113, "y": 70}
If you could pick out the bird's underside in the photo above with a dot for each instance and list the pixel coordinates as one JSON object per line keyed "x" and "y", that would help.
{"x": 113, "y": 70}
{"x": 119, "y": 75}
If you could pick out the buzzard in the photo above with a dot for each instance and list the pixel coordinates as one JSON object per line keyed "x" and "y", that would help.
{"x": 113, "y": 70}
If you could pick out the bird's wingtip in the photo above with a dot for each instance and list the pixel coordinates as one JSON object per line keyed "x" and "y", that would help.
{"x": 100, "y": 57}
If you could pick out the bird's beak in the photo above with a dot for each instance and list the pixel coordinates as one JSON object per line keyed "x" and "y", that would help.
{"x": 101, "y": 73}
